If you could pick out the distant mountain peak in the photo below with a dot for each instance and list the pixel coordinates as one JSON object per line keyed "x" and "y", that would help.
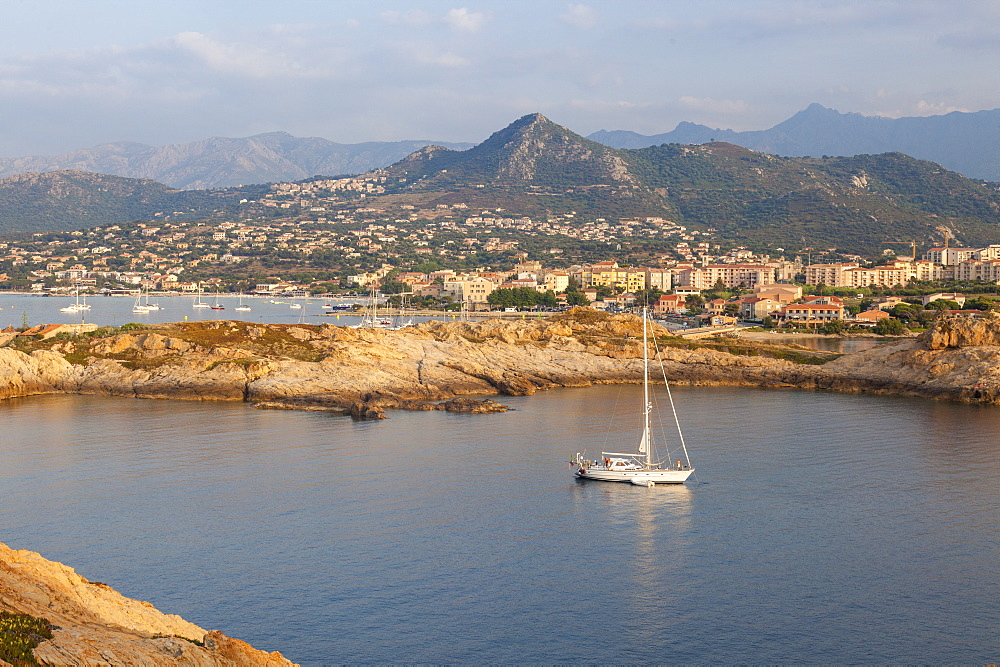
{"x": 532, "y": 149}
{"x": 961, "y": 141}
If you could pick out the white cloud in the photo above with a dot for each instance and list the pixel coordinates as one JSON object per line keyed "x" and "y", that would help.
{"x": 414, "y": 18}
{"x": 239, "y": 59}
{"x": 463, "y": 19}
{"x": 603, "y": 106}
{"x": 580, "y": 16}
{"x": 924, "y": 108}
{"x": 443, "y": 59}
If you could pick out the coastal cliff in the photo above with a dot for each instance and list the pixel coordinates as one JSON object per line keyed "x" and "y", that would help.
{"x": 89, "y": 623}
{"x": 440, "y": 365}
{"x": 957, "y": 359}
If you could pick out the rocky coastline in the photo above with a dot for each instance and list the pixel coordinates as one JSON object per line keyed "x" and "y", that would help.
{"x": 88, "y": 623}
{"x": 443, "y": 365}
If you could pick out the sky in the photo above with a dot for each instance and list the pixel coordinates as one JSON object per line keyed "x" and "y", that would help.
{"x": 79, "y": 73}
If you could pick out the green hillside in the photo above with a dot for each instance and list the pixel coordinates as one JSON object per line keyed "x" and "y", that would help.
{"x": 856, "y": 203}
{"x": 68, "y": 200}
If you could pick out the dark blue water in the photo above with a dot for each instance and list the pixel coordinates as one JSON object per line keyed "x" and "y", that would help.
{"x": 823, "y": 528}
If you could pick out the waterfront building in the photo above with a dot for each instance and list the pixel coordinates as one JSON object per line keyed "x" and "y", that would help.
{"x": 757, "y": 308}
{"x": 779, "y": 292}
{"x": 731, "y": 275}
{"x": 468, "y": 289}
{"x": 810, "y": 313}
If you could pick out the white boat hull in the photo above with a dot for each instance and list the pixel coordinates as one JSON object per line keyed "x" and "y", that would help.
{"x": 640, "y": 477}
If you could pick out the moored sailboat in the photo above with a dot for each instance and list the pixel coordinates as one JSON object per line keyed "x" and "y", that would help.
{"x": 642, "y": 468}
{"x": 198, "y": 303}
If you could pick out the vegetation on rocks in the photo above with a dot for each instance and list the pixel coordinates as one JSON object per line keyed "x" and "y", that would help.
{"x": 19, "y": 635}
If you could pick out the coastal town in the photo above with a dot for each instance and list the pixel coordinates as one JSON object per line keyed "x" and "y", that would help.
{"x": 320, "y": 238}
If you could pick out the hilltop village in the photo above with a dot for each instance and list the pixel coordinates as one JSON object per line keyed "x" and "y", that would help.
{"x": 320, "y": 237}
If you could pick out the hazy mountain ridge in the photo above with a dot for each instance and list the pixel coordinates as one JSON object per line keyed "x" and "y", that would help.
{"x": 968, "y": 143}
{"x": 223, "y": 162}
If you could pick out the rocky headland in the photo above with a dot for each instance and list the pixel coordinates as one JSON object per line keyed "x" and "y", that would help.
{"x": 54, "y": 616}
{"x": 442, "y": 365}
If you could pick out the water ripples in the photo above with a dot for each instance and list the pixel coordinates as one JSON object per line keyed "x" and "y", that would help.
{"x": 822, "y": 527}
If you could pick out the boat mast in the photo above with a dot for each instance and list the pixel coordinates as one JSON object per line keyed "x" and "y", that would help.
{"x": 648, "y": 446}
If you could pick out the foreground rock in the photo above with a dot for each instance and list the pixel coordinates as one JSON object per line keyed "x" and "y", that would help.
{"x": 95, "y": 625}
{"x": 430, "y": 366}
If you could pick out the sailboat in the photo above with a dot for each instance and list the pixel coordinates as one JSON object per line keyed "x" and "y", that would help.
{"x": 371, "y": 318}
{"x": 241, "y": 307}
{"x": 137, "y": 307}
{"x": 147, "y": 305}
{"x": 73, "y": 307}
{"x": 216, "y": 306}
{"x": 641, "y": 468}
{"x": 142, "y": 304}
{"x": 198, "y": 303}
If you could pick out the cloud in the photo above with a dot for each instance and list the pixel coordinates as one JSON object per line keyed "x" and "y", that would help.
{"x": 924, "y": 108}
{"x": 580, "y": 16}
{"x": 414, "y": 18}
{"x": 443, "y": 59}
{"x": 463, "y": 19}
{"x": 245, "y": 60}
{"x": 714, "y": 106}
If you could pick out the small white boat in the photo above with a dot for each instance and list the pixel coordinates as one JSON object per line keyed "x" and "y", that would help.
{"x": 241, "y": 307}
{"x": 77, "y": 306}
{"x": 198, "y": 303}
{"x": 640, "y": 468}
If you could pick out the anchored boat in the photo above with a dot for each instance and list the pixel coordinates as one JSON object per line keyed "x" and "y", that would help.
{"x": 643, "y": 467}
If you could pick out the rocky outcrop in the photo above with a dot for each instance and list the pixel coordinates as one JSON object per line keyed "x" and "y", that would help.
{"x": 961, "y": 332}
{"x": 40, "y": 372}
{"x": 95, "y": 625}
{"x": 366, "y": 372}
{"x": 956, "y": 359}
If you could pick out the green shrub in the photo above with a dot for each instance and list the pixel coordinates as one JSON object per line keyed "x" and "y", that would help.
{"x": 19, "y": 635}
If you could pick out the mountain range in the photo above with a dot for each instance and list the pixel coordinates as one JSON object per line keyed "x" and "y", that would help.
{"x": 968, "y": 143}
{"x": 537, "y": 168}
{"x": 221, "y": 162}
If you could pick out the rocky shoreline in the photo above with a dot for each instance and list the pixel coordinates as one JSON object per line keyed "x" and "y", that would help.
{"x": 89, "y": 623}
{"x": 441, "y": 365}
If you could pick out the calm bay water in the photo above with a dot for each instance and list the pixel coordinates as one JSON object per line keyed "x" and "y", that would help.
{"x": 18, "y": 309}
{"x": 822, "y": 528}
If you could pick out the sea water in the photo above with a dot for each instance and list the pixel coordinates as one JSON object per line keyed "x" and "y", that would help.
{"x": 817, "y": 528}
